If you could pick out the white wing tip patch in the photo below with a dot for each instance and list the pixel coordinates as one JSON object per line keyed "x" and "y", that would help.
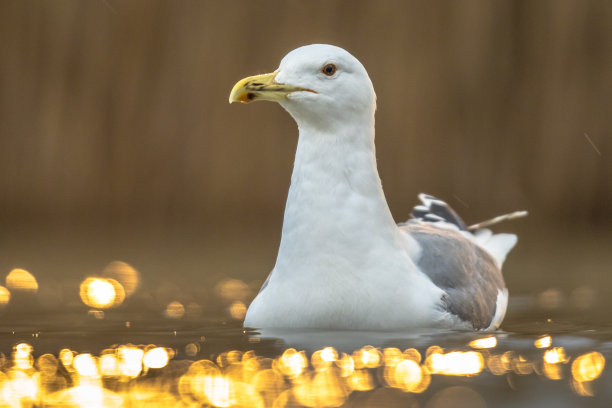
{"x": 501, "y": 304}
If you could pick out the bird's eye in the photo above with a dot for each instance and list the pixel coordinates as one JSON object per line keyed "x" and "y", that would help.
{"x": 329, "y": 69}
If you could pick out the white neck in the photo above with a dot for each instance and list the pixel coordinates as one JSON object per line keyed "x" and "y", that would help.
{"x": 336, "y": 209}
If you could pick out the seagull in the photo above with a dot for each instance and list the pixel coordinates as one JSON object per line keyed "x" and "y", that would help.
{"x": 343, "y": 262}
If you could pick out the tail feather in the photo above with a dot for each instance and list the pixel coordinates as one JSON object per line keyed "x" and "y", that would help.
{"x": 498, "y": 245}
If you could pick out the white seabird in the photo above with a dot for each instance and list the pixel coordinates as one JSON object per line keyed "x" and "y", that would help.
{"x": 343, "y": 262}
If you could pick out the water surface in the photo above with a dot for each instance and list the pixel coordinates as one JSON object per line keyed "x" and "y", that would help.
{"x": 164, "y": 330}
{"x": 534, "y": 361}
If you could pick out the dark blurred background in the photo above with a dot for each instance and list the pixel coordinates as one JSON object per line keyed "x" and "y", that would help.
{"x": 117, "y": 140}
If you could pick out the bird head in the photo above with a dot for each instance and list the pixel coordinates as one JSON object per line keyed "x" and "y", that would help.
{"x": 317, "y": 84}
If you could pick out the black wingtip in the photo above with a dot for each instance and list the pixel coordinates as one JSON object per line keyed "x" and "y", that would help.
{"x": 433, "y": 209}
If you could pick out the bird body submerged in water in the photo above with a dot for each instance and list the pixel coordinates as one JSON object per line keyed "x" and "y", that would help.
{"x": 343, "y": 262}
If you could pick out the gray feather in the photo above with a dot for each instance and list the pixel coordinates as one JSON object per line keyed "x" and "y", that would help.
{"x": 467, "y": 273}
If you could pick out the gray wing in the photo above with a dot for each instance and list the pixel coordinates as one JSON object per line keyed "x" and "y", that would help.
{"x": 467, "y": 273}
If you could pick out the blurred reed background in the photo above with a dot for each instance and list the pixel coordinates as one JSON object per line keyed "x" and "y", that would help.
{"x": 117, "y": 141}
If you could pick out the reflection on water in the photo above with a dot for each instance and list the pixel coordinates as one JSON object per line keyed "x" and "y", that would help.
{"x": 543, "y": 342}
{"x": 484, "y": 342}
{"x": 106, "y": 350}
{"x": 151, "y": 375}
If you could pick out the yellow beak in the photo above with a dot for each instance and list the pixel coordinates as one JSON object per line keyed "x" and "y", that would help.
{"x": 261, "y": 88}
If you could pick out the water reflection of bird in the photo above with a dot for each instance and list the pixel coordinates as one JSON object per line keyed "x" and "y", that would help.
{"x": 343, "y": 262}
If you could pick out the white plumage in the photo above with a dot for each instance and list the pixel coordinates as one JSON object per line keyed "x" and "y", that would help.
{"x": 343, "y": 262}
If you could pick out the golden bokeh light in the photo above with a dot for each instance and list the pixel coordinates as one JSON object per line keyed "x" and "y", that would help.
{"x": 22, "y": 356}
{"x": 455, "y": 363}
{"x": 329, "y": 354}
{"x": 498, "y": 364}
{"x": 552, "y": 371}
{"x": 233, "y": 290}
{"x": 367, "y": 357}
{"x": 588, "y": 367}
{"x": 125, "y": 274}
{"x": 361, "y": 380}
{"x": 67, "y": 358}
{"x": 109, "y": 364}
{"x": 219, "y": 391}
{"x": 555, "y": 355}
{"x": 21, "y": 390}
{"x": 191, "y": 349}
{"x": 292, "y": 363}
{"x": 101, "y": 293}
{"x": 410, "y": 377}
{"x": 156, "y": 358}
{"x": 323, "y": 358}
{"x": 584, "y": 389}
{"x": 552, "y": 363}
{"x": 267, "y": 382}
{"x": 392, "y": 356}
{"x": 346, "y": 364}
{"x": 23, "y": 350}
{"x": 192, "y": 384}
{"x": 435, "y": 349}
{"x": 175, "y": 310}
{"x": 5, "y": 296}
{"x": 89, "y": 395}
{"x": 47, "y": 364}
{"x": 121, "y": 376}
{"x": 412, "y": 354}
{"x": 130, "y": 360}
{"x": 403, "y": 370}
{"x": 238, "y": 310}
{"x": 325, "y": 389}
{"x": 228, "y": 358}
{"x": 543, "y": 342}
{"x": 521, "y": 365}
{"x": 484, "y": 343}
{"x": 86, "y": 366}
{"x": 21, "y": 280}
